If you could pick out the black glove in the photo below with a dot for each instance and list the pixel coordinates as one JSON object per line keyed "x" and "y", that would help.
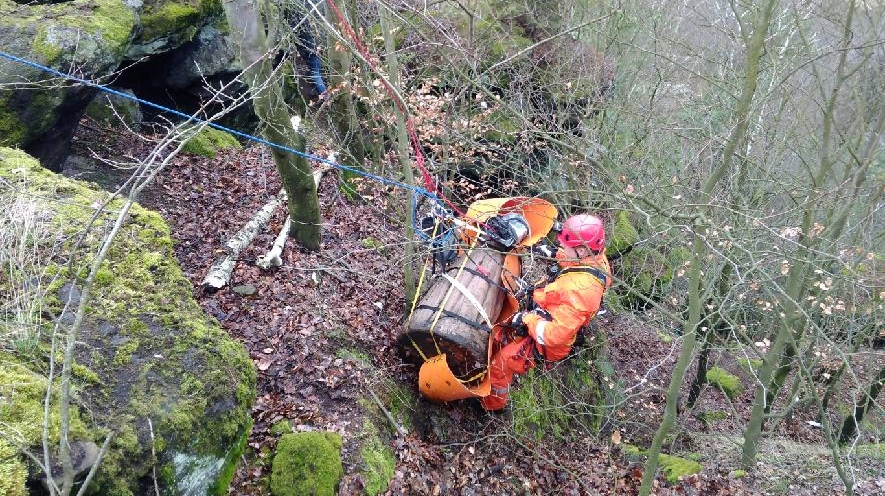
{"x": 544, "y": 248}
{"x": 517, "y": 324}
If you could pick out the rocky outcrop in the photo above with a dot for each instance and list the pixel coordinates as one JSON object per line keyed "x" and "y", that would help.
{"x": 39, "y": 111}
{"x": 92, "y": 40}
{"x": 150, "y": 367}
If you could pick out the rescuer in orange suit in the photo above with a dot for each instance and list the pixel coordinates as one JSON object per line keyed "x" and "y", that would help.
{"x": 566, "y": 304}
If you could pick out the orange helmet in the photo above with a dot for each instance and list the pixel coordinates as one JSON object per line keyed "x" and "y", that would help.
{"x": 583, "y": 229}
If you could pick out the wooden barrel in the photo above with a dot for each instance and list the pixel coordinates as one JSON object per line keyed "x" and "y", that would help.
{"x": 448, "y": 319}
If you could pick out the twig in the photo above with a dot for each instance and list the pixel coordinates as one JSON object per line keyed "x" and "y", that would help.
{"x": 153, "y": 456}
{"x": 398, "y": 428}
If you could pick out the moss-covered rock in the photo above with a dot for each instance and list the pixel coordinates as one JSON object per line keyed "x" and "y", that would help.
{"x": 115, "y": 110}
{"x": 648, "y": 273}
{"x": 89, "y": 35}
{"x": 675, "y": 468}
{"x": 712, "y": 416}
{"x": 168, "y": 24}
{"x": 209, "y": 141}
{"x": 751, "y": 365}
{"x": 725, "y": 382}
{"x": 147, "y": 349}
{"x": 13, "y": 473}
{"x": 567, "y": 396}
{"x": 307, "y": 463}
{"x": 23, "y": 392}
{"x": 623, "y": 234}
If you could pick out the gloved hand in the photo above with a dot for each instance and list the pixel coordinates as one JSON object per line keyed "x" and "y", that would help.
{"x": 544, "y": 248}
{"x": 516, "y": 323}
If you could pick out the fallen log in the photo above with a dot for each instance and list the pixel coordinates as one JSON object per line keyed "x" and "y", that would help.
{"x": 222, "y": 267}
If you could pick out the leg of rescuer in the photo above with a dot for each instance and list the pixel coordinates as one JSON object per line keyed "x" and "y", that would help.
{"x": 514, "y": 358}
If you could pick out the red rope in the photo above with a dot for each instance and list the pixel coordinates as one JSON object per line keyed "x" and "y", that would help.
{"x": 429, "y": 183}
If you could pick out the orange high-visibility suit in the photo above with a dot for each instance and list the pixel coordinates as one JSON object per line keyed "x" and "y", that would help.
{"x": 572, "y": 300}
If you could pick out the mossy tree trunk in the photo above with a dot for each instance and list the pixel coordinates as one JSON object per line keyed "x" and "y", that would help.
{"x": 248, "y": 23}
{"x": 849, "y": 426}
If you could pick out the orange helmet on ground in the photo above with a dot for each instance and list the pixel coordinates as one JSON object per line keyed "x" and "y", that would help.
{"x": 583, "y": 229}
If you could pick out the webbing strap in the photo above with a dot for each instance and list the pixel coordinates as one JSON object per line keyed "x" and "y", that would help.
{"x": 472, "y": 299}
{"x": 599, "y": 274}
{"x": 484, "y": 277}
{"x": 450, "y": 314}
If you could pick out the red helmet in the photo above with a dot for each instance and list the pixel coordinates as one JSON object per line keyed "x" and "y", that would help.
{"x": 583, "y": 229}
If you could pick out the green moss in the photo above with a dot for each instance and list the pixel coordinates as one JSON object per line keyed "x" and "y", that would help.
{"x": 502, "y": 127}
{"x": 23, "y": 392}
{"x": 632, "y": 449}
{"x": 676, "y": 468}
{"x": 713, "y": 416}
{"x": 307, "y": 463}
{"x": 647, "y": 272}
{"x": 48, "y": 51}
{"x": 170, "y": 17}
{"x": 875, "y": 451}
{"x": 624, "y": 235}
{"x": 751, "y": 365}
{"x": 148, "y": 303}
{"x": 679, "y": 256}
{"x": 738, "y": 474}
{"x": 281, "y": 427}
{"x": 553, "y": 402}
{"x": 208, "y": 141}
{"x": 229, "y": 468}
{"x": 13, "y": 473}
{"x": 85, "y": 374}
{"x": 371, "y": 243}
{"x": 354, "y": 356}
{"x": 725, "y": 382}
{"x": 104, "y": 276}
{"x": 109, "y": 23}
{"x": 378, "y": 461}
{"x": 400, "y": 401}
{"x": 123, "y": 355}
{"x": 12, "y": 129}
{"x": 181, "y": 19}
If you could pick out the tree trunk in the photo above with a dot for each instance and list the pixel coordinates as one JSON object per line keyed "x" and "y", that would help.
{"x": 676, "y": 378}
{"x": 248, "y": 28}
{"x": 755, "y": 48}
{"x": 402, "y": 148}
{"x": 849, "y": 426}
{"x": 780, "y": 376}
{"x": 345, "y": 115}
{"x": 700, "y": 377}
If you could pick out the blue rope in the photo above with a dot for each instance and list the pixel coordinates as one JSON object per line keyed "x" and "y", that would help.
{"x": 383, "y": 180}
{"x": 380, "y": 179}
